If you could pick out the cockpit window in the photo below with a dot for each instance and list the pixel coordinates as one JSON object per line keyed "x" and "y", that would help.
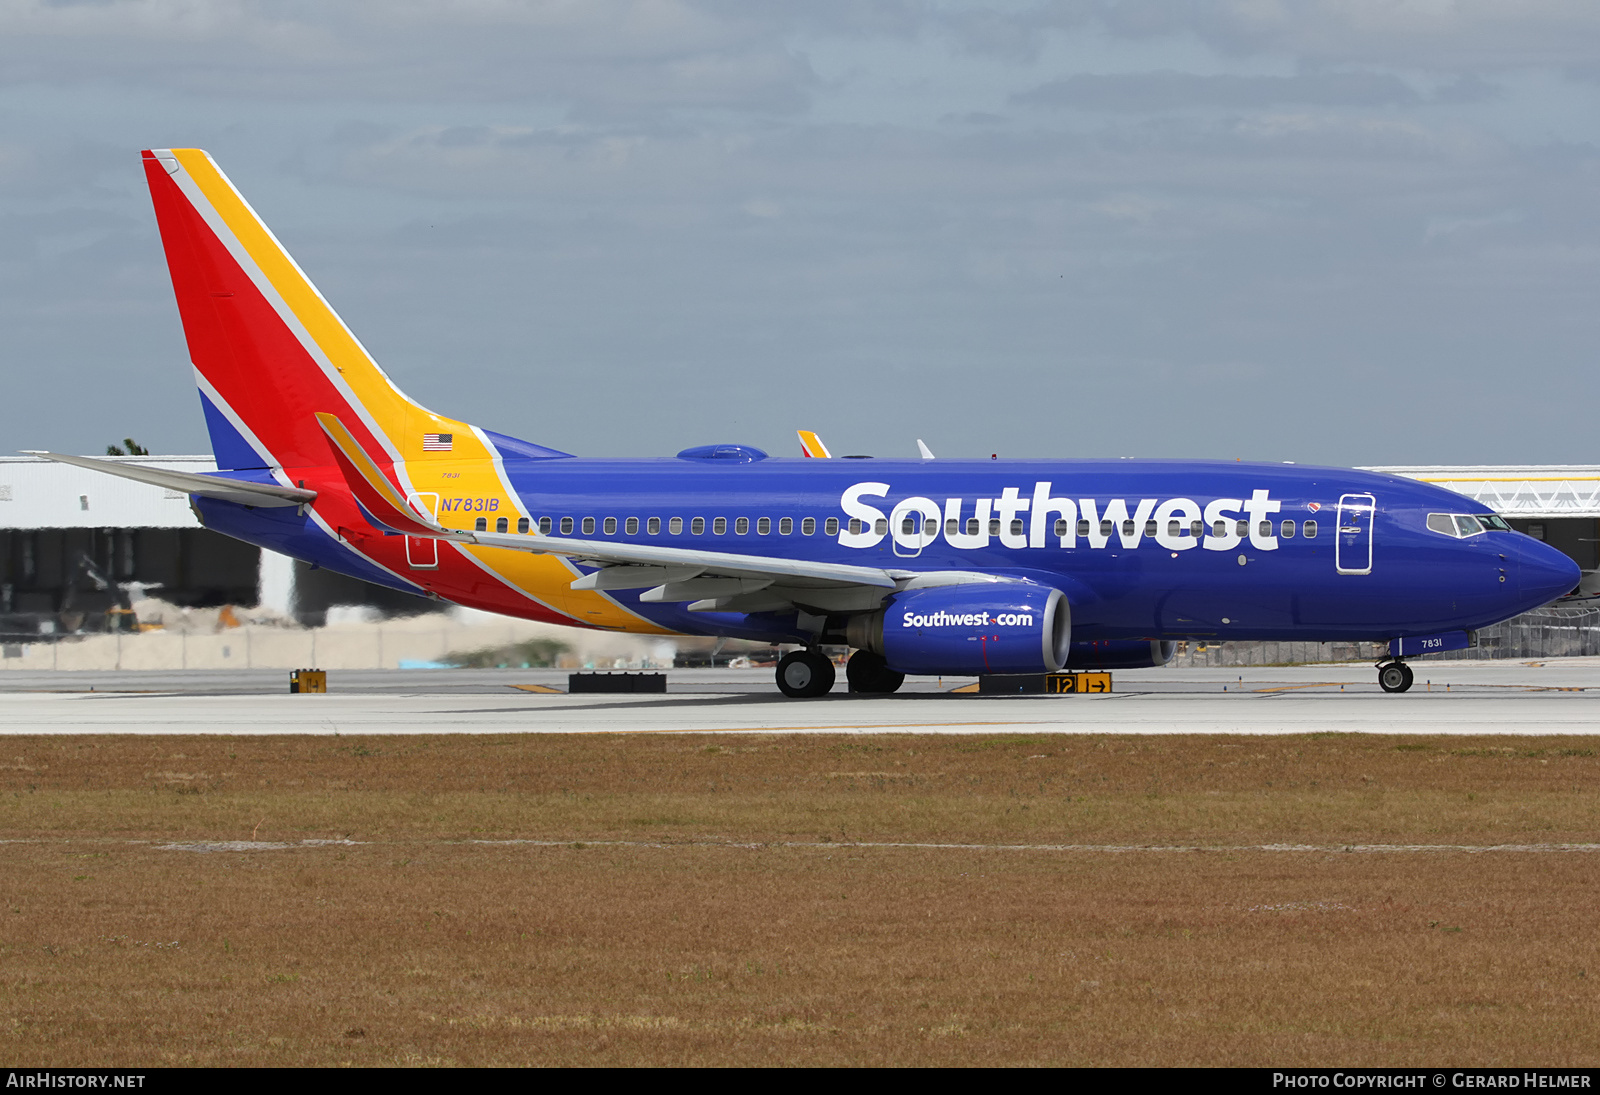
{"x": 1462, "y": 525}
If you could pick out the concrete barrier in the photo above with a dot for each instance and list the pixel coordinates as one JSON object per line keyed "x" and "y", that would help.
{"x": 381, "y": 645}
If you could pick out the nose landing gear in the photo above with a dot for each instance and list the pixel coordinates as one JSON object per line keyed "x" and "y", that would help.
{"x": 1394, "y": 676}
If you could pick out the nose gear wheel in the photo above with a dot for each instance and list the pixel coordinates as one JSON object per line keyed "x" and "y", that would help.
{"x": 1394, "y": 676}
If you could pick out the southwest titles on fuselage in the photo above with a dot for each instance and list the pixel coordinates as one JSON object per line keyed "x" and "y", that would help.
{"x": 1175, "y": 520}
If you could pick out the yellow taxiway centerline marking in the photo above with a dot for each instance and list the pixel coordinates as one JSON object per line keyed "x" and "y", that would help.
{"x": 780, "y": 729}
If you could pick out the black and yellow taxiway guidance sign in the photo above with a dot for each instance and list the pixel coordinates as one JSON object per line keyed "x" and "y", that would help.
{"x": 1077, "y": 682}
{"x": 308, "y": 680}
{"x": 1034, "y": 684}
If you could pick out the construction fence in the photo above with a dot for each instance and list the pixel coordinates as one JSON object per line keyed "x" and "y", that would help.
{"x": 1546, "y": 633}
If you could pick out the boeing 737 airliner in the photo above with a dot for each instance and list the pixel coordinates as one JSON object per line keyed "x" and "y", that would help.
{"x": 924, "y": 567}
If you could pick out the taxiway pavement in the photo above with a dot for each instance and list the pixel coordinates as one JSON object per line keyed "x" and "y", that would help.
{"x": 1559, "y": 696}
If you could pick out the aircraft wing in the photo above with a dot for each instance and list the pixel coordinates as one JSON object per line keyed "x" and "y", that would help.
{"x": 648, "y": 560}
{"x": 241, "y": 491}
{"x": 710, "y": 578}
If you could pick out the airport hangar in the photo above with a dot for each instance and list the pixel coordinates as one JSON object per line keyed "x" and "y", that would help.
{"x": 75, "y": 542}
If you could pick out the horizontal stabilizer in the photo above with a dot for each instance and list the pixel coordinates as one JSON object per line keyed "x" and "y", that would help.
{"x": 241, "y": 491}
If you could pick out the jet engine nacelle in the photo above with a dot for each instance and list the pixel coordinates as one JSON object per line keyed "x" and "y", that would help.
{"x": 986, "y": 627}
{"x": 1121, "y": 654}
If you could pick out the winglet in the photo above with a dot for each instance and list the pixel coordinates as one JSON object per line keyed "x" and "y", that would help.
{"x": 383, "y": 503}
{"x": 811, "y": 445}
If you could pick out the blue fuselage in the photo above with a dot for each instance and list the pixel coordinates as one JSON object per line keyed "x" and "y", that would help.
{"x": 1142, "y": 549}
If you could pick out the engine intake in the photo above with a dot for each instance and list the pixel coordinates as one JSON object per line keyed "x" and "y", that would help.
{"x": 988, "y": 627}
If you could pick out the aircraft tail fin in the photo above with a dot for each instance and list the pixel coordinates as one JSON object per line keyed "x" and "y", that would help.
{"x": 811, "y": 445}
{"x": 268, "y": 351}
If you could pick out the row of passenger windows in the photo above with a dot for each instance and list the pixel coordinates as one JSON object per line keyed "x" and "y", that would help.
{"x": 908, "y": 527}
{"x": 1174, "y": 528}
{"x": 652, "y": 525}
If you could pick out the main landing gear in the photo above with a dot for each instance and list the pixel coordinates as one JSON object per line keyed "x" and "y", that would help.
{"x": 868, "y": 672}
{"x": 1394, "y": 676}
{"x": 804, "y": 674}
{"x": 807, "y": 673}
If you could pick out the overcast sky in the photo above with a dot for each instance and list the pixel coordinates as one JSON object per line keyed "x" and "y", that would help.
{"x": 1340, "y": 231}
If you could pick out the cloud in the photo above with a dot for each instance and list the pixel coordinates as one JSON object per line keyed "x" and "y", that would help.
{"x": 602, "y": 54}
{"x": 525, "y": 206}
{"x": 1468, "y": 88}
{"x": 1443, "y": 35}
{"x": 1165, "y": 91}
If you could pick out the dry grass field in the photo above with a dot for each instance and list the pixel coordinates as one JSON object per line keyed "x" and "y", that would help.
{"x": 897, "y": 899}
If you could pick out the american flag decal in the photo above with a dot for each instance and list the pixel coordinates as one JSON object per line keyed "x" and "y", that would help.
{"x": 437, "y": 442}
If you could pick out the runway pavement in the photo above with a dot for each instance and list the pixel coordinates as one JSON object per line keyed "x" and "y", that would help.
{"x": 1560, "y": 696}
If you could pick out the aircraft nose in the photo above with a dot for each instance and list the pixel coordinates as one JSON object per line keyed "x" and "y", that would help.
{"x": 1545, "y": 573}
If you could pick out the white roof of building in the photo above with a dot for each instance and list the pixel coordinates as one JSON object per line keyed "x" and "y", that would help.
{"x": 1531, "y": 490}
{"x": 37, "y": 493}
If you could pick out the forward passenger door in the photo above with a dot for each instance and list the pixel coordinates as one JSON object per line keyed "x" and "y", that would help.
{"x": 1352, "y": 545}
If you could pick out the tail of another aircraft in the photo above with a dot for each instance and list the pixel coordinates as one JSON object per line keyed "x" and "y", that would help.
{"x": 811, "y": 445}
{"x": 269, "y": 353}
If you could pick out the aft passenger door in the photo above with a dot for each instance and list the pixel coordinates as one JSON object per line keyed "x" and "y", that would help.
{"x": 422, "y": 553}
{"x": 1352, "y": 545}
